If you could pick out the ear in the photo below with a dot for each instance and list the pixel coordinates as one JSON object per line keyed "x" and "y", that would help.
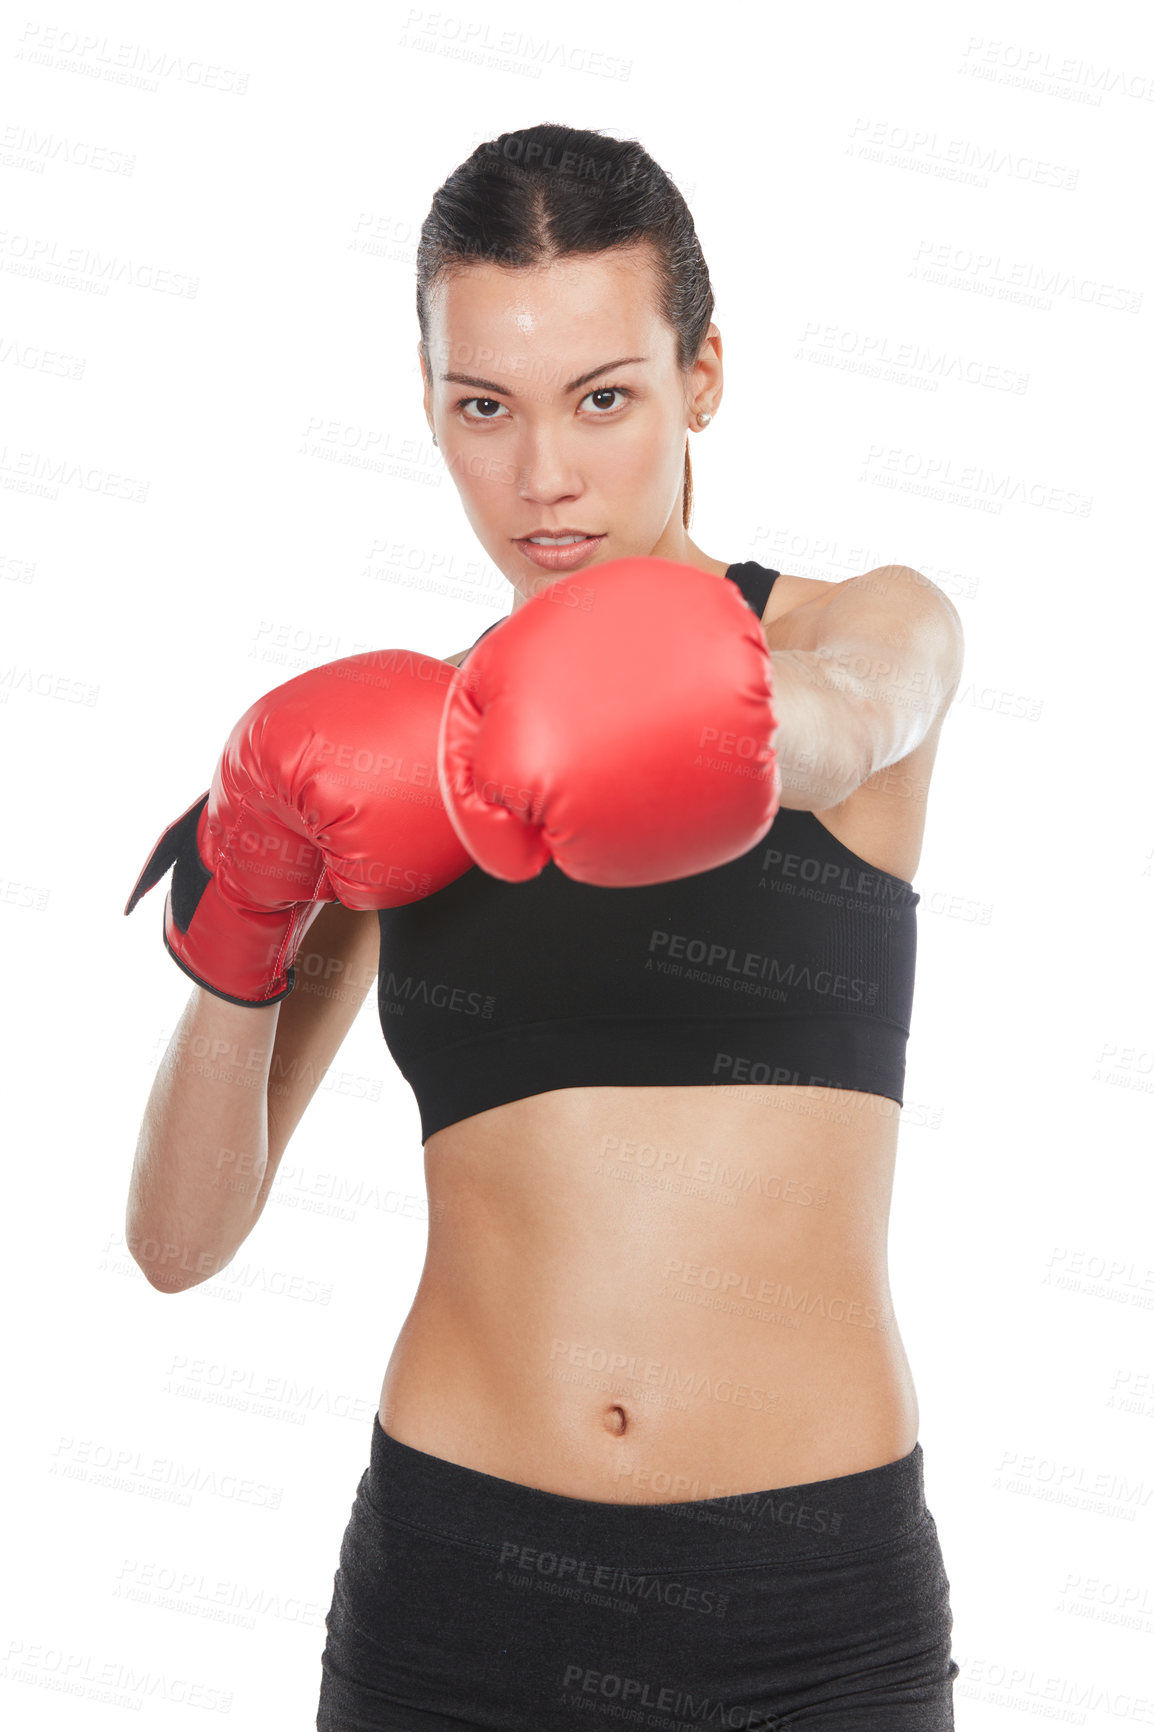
{"x": 426, "y": 384}
{"x": 708, "y": 372}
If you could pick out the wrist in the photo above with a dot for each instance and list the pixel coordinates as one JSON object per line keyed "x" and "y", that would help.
{"x": 820, "y": 741}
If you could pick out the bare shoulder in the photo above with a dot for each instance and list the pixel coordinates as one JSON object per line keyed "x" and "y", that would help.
{"x": 789, "y": 592}
{"x": 920, "y": 602}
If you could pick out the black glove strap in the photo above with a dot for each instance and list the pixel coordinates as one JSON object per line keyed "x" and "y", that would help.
{"x": 189, "y": 882}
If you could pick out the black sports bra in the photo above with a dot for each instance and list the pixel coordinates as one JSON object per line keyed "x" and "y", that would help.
{"x": 793, "y": 964}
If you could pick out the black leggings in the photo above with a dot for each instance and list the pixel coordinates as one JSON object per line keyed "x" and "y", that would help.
{"x": 466, "y": 1601}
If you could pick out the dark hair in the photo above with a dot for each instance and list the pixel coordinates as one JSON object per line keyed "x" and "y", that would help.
{"x": 550, "y": 192}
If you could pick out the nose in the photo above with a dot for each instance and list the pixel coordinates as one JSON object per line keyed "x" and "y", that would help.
{"x": 546, "y": 472}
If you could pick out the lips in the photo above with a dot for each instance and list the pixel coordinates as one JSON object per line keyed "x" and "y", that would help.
{"x": 564, "y": 558}
{"x": 557, "y": 534}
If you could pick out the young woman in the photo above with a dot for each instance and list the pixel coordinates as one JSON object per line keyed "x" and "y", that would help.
{"x": 647, "y": 1443}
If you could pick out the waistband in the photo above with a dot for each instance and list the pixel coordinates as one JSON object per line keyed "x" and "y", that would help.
{"x": 819, "y": 1518}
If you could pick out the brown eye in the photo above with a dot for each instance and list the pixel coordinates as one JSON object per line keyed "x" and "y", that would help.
{"x": 608, "y": 391}
{"x": 492, "y": 403}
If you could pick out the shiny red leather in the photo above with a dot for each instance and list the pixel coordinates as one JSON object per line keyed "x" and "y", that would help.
{"x": 326, "y": 791}
{"x": 620, "y": 724}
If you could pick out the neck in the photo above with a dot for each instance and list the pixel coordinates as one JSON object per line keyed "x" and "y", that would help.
{"x": 686, "y": 554}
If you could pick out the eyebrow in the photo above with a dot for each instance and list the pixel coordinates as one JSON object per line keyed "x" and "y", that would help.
{"x": 504, "y": 391}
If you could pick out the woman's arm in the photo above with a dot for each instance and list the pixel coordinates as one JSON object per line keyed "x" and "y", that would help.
{"x": 861, "y": 673}
{"x": 230, "y": 1090}
{"x": 337, "y": 966}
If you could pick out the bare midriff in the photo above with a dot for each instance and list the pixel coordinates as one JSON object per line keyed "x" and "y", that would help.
{"x": 658, "y": 1294}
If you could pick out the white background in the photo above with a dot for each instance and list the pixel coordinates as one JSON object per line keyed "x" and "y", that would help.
{"x": 904, "y": 210}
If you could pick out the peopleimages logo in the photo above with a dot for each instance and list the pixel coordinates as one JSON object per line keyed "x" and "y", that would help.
{"x": 563, "y": 1568}
{"x": 438, "y": 993}
{"x": 752, "y": 965}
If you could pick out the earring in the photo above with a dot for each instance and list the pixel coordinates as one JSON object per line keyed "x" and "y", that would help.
{"x": 704, "y": 420}
{"x": 435, "y": 441}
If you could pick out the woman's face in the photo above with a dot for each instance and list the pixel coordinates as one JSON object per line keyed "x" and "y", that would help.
{"x": 558, "y": 406}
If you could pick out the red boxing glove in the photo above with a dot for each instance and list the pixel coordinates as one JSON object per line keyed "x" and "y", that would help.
{"x": 326, "y": 792}
{"x": 628, "y": 738}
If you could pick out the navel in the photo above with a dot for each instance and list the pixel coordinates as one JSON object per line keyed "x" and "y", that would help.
{"x": 615, "y": 1420}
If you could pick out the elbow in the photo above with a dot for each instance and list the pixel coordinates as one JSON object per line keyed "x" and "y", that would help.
{"x": 160, "y": 1283}
{"x": 169, "y": 1280}
{"x": 169, "y": 1266}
